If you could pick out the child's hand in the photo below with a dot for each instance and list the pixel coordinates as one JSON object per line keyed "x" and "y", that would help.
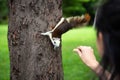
{"x": 87, "y": 56}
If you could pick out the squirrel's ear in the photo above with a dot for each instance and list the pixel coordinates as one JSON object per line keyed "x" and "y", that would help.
{"x": 87, "y": 17}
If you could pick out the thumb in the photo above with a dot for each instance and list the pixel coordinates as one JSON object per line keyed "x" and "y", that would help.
{"x": 77, "y": 51}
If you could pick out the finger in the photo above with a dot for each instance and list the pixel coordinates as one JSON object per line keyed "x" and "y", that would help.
{"x": 89, "y": 47}
{"x": 78, "y": 51}
{"x": 84, "y": 47}
{"x": 80, "y": 48}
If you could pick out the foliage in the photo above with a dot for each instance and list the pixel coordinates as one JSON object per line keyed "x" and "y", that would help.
{"x": 73, "y": 67}
{"x": 79, "y": 7}
{"x": 70, "y": 8}
{"x": 3, "y": 11}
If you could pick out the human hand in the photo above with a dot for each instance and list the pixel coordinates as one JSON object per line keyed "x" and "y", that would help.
{"x": 87, "y": 56}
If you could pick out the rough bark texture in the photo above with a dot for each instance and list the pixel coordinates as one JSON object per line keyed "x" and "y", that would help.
{"x": 32, "y": 56}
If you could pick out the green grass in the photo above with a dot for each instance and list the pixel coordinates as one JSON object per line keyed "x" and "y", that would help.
{"x": 4, "y": 54}
{"x": 74, "y": 68}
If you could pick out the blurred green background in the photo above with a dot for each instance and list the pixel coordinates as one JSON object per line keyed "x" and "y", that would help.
{"x": 74, "y": 68}
{"x": 70, "y": 8}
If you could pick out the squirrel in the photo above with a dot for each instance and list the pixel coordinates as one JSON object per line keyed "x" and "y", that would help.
{"x": 70, "y": 23}
{"x": 64, "y": 25}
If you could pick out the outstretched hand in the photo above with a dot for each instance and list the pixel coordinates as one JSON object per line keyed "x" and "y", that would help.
{"x": 87, "y": 56}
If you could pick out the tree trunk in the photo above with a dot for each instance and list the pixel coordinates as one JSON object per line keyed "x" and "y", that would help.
{"x": 32, "y": 56}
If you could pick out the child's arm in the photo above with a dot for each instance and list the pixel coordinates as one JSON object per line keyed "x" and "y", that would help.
{"x": 87, "y": 56}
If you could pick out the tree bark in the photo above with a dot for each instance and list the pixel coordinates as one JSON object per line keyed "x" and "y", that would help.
{"x": 32, "y": 56}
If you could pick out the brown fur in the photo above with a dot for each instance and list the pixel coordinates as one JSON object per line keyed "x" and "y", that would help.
{"x": 73, "y": 22}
